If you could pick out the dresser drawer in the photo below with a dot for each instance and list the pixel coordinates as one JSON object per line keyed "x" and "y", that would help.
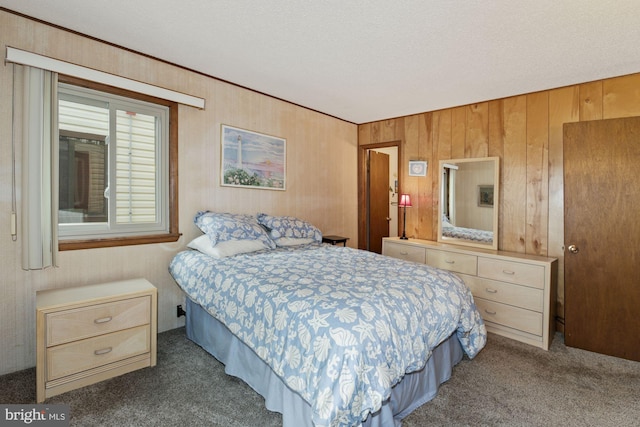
{"x": 459, "y": 263}
{"x": 68, "y": 359}
{"x": 93, "y": 320}
{"x": 405, "y": 252}
{"x": 507, "y": 293}
{"x": 515, "y": 293}
{"x": 512, "y": 272}
{"x": 512, "y": 317}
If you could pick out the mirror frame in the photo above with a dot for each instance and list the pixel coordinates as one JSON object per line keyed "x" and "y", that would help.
{"x": 496, "y": 202}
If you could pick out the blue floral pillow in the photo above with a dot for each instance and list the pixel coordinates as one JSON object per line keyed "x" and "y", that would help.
{"x": 223, "y": 227}
{"x": 286, "y": 228}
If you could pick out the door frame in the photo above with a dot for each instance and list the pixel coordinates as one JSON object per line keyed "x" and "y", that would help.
{"x": 363, "y": 206}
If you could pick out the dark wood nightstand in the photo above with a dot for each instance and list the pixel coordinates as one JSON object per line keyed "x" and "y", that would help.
{"x": 335, "y": 240}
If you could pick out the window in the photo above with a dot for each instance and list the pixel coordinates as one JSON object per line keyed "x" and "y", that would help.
{"x": 117, "y": 160}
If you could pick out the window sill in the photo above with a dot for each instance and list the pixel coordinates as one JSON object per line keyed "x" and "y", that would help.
{"x": 70, "y": 245}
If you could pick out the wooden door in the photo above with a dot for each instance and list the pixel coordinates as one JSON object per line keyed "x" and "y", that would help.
{"x": 602, "y": 236}
{"x": 378, "y": 199}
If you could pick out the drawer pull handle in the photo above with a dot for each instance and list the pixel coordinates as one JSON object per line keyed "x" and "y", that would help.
{"x": 509, "y": 272}
{"x": 404, "y": 253}
{"x": 103, "y": 320}
{"x": 103, "y": 351}
{"x": 490, "y": 312}
{"x": 491, "y": 291}
{"x": 449, "y": 261}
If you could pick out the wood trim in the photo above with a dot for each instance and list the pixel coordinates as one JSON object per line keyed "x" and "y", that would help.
{"x": 70, "y": 245}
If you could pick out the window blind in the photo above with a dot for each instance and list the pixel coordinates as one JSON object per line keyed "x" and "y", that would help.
{"x": 39, "y": 169}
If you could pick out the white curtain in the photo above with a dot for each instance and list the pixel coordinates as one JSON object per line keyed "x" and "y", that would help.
{"x": 39, "y": 169}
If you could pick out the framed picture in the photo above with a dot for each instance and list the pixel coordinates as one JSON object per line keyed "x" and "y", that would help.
{"x": 252, "y": 160}
{"x": 417, "y": 168}
{"x": 485, "y": 196}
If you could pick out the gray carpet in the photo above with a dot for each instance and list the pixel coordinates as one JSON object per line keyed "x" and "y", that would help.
{"x": 507, "y": 384}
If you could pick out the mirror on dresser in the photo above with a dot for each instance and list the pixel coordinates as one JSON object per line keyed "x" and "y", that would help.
{"x": 469, "y": 200}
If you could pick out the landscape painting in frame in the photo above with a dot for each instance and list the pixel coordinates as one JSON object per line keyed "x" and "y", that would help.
{"x": 485, "y": 196}
{"x": 252, "y": 159}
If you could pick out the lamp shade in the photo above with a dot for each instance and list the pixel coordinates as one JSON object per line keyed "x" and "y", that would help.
{"x": 405, "y": 201}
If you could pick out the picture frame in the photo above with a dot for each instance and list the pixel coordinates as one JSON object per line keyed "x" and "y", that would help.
{"x": 417, "y": 168}
{"x": 485, "y": 196}
{"x": 252, "y": 160}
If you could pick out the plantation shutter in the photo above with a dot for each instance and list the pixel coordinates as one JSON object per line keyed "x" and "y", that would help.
{"x": 136, "y": 175}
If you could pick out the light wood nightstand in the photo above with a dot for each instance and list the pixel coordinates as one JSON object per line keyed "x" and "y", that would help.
{"x": 91, "y": 333}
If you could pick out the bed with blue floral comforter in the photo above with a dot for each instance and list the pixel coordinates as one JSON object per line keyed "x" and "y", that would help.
{"x": 470, "y": 234}
{"x": 339, "y": 326}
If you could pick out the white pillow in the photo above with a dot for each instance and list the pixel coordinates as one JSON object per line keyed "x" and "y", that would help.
{"x": 293, "y": 241}
{"x": 225, "y": 249}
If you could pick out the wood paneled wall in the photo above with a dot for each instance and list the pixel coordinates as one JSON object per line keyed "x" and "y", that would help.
{"x": 321, "y": 178}
{"x": 525, "y": 131}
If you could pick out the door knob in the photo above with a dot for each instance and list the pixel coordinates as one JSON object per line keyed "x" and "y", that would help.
{"x": 573, "y": 249}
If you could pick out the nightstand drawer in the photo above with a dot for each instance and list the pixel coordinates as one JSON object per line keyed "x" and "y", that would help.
{"x": 513, "y": 272}
{"x": 405, "y": 252}
{"x": 507, "y": 293}
{"x": 90, "y": 333}
{"x": 68, "y": 359}
{"x": 93, "y": 320}
{"x": 512, "y": 317}
{"x": 459, "y": 263}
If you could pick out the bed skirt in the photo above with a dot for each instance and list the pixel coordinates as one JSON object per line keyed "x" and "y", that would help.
{"x": 240, "y": 361}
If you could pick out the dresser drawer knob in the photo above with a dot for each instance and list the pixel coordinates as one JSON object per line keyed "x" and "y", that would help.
{"x": 103, "y": 320}
{"x": 103, "y": 351}
{"x": 509, "y": 272}
{"x": 449, "y": 261}
{"x": 491, "y": 291}
{"x": 404, "y": 253}
{"x": 490, "y": 312}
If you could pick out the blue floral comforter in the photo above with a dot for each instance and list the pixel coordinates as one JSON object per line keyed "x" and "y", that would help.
{"x": 340, "y": 326}
{"x": 468, "y": 234}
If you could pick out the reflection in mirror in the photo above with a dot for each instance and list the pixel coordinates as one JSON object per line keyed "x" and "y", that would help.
{"x": 469, "y": 190}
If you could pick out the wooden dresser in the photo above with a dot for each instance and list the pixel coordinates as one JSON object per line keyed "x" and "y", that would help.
{"x": 91, "y": 333}
{"x": 515, "y": 293}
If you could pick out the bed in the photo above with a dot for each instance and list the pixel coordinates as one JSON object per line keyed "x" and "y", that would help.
{"x": 328, "y": 335}
{"x": 470, "y": 234}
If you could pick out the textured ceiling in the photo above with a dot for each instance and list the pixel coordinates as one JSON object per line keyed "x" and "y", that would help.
{"x": 368, "y": 60}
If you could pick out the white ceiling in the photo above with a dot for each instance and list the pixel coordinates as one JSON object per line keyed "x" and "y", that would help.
{"x": 368, "y": 60}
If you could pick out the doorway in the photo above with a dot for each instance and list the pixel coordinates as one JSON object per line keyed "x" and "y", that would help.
{"x": 602, "y": 236}
{"x": 378, "y": 212}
